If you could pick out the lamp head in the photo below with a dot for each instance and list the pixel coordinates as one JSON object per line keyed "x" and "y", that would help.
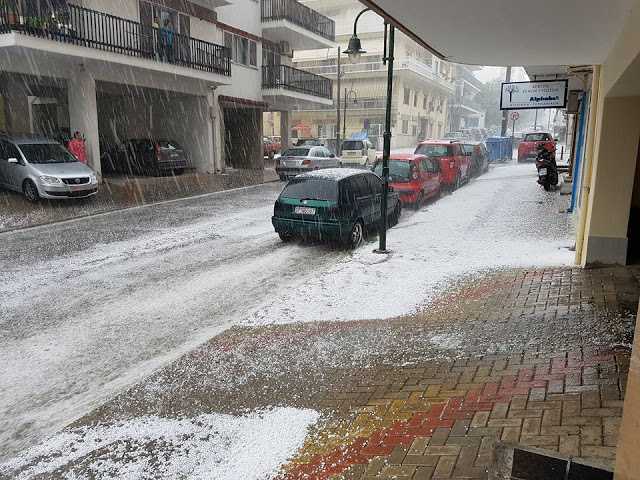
{"x": 354, "y": 51}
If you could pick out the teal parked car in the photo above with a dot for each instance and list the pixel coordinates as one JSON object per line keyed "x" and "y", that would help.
{"x": 338, "y": 204}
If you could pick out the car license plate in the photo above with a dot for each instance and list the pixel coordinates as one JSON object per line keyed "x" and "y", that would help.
{"x": 542, "y": 171}
{"x": 305, "y": 210}
{"x": 77, "y": 188}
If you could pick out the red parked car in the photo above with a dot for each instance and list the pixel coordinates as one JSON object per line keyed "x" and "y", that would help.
{"x": 454, "y": 161}
{"x": 414, "y": 177}
{"x": 529, "y": 144}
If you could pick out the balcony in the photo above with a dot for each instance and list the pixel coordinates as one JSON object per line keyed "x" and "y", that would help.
{"x": 71, "y": 24}
{"x": 302, "y": 27}
{"x": 470, "y": 104}
{"x": 287, "y": 86}
{"x": 400, "y": 66}
{"x": 472, "y": 80}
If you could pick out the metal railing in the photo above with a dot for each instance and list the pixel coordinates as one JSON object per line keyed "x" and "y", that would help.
{"x": 470, "y": 78}
{"x": 399, "y": 64}
{"x": 299, "y": 14}
{"x": 90, "y": 28}
{"x": 369, "y": 103}
{"x": 294, "y": 79}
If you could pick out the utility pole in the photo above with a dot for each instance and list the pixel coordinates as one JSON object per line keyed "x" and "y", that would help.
{"x": 505, "y": 113}
{"x": 338, "y": 108}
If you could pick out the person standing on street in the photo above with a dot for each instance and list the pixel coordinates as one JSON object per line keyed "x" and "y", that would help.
{"x": 78, "y": 148}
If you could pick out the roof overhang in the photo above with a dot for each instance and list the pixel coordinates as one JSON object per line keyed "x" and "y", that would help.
{"x": 511, "y": 32}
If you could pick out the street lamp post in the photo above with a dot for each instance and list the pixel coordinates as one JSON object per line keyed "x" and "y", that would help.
{"x": 344, "y": 119}
{"x": 354, "y": 52}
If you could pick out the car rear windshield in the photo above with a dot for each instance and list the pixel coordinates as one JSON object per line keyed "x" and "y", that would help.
{"x": 47, "y": 153}
{"x": 296, "y": 152}
{"x": 312, "y": 189}
{"x": 398, "y": 171}
{"x": 352, "y": 145}
{"x": 437, "y": 151}
{"x": 536, "y": 137}
{"x": 169, "y": 145}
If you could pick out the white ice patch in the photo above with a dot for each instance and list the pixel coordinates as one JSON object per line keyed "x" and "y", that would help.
{"x": 503, "y": 220}
{"x": 215, "y": 446}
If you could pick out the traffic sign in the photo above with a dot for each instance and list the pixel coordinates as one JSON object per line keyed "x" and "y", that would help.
{"x": 515, "y": 116}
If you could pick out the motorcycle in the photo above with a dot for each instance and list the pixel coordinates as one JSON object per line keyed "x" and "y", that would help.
{"x": 547, "y": 167}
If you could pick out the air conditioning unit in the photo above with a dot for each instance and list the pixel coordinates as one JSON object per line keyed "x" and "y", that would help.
{"x": 285, "y": 49}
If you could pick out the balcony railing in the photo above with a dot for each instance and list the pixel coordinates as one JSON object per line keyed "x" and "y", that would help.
{"x": 469, "y": 102}
{"x": 289, "y": 78}
{"x": 89, "y": 28}
{"x": 471, "y": 78}
{"x": 299, "y": 14}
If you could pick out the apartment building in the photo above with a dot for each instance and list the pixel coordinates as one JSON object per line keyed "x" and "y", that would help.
{"x": 464, "y": 111}
{"x": 110, "y": 70}
{"x": 422, "y": 83}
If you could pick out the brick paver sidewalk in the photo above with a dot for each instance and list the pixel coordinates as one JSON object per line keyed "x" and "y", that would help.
{"x": 537, "y": 357}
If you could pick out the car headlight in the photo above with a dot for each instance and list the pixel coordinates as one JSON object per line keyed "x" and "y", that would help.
{"x": 50, "y": 180}
{"x": 93, "y": 178}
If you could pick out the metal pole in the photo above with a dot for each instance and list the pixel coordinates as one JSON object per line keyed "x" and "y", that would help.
{"x": 535, "y": 123}
{"x": 338, "y": 108}
{"x": 386, "y": 152}
{"x": 344, "y": 119}
{"x": 505, "y": 113}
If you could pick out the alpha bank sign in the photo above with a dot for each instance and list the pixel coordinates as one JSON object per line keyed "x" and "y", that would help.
{"x": 527, "y": 95}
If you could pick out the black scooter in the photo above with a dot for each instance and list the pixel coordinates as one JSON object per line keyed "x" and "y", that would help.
{"x": 547, "y": 167}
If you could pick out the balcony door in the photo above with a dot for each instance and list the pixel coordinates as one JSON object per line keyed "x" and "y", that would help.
{"x": 180, "y": 25}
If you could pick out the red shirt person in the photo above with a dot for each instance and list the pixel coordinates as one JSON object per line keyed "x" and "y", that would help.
{"x": 78, "y": 148}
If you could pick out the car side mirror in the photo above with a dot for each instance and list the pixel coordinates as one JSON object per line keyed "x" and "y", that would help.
{"x": 13, "y": 160}
{"x": 331, "y": 155}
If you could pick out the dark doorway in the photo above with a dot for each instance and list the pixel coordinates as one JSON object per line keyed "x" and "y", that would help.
{"x": 633, "y": 232}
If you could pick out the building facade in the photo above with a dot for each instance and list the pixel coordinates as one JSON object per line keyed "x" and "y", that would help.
{"x": 199, "y": 72}
{"x": 464, "y": 112}
{"x": 421, "y": 88}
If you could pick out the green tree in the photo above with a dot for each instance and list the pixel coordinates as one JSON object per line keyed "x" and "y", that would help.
{"x": 489, "y": 98}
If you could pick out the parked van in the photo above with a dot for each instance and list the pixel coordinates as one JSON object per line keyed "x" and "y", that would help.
{"x": 360, "y": 152}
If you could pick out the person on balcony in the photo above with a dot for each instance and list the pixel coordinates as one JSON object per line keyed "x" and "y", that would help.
{"x": 157, "y": 48}
{"x": 167, "y": 41}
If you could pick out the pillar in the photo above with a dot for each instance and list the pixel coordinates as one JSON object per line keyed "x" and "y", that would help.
{"x": 285, "y": 129}
{"x": 83, "y": 113}
{"x": 613, "y": 173}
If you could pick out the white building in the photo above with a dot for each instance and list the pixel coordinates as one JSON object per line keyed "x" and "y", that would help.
{"x": 464, "y": 111}
{"x": 100, "y": 68}
{"x": 421, "y": 89}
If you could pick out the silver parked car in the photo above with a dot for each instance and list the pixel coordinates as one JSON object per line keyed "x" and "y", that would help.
{"x": 305, "y": 159}
{"x": 42, "y": 168}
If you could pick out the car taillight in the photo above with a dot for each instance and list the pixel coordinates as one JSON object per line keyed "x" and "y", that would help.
{"x": 452, "y": 164}
{"x": 159, "y": 151}
{"x": 277, "y": 207}
{"x": 306, "y": 162}
{"x": 335, "y": 210}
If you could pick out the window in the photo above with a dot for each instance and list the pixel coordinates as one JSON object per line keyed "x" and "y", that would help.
{"x": 407, "y": 95}
{"x": 375, "y": 184}
{"x": 414, "y": 130}
{"x": 311, "y": 188}
{"x": 537, "y": 137}
{"x": 8, "y": 150}
{"x": 362, "y": 187}
{"x": 405, "y": 126}
{"x": 424, "y": 102}
{"x": 243, "y": 50}
{"x": 415, "y": 99}
{"x": 438, "y": 151}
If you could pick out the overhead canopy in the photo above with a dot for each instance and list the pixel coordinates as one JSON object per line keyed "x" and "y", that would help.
{"x": 511, "y": 32}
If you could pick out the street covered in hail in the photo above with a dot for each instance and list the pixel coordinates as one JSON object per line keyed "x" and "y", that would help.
{"x": 319, "y": 240}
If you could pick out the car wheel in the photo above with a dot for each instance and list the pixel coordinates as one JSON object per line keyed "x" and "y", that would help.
{"x": 340, "y": 165}
{"x": 419, "y": 202}
{"x": 285, "y": 237}
{"x": 272, "y": 154}
{"x": 547, "y": 186}
{"x": 178, "y": 171}
{"x": 283, "y": 178}
{"x": 395, "y": 218}
{"x": 356, "y": 236}
{"x": 30, "y": 191}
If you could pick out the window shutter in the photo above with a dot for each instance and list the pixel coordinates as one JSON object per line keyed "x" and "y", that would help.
{"x": 253, "y": 54}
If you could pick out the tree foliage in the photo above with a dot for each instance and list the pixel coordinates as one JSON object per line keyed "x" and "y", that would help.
{"x": 489, "y": 98}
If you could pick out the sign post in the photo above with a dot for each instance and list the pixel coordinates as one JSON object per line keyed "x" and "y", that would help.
{"x": 514, "y": 117}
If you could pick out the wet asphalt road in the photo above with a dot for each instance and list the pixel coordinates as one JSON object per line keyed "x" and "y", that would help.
{"x": 93, "y": 305}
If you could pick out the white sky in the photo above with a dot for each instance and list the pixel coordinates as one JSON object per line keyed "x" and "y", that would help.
{"x": 489, "y": 73}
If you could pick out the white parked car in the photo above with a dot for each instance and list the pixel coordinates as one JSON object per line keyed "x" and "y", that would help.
{"x": 359, "y": 152}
